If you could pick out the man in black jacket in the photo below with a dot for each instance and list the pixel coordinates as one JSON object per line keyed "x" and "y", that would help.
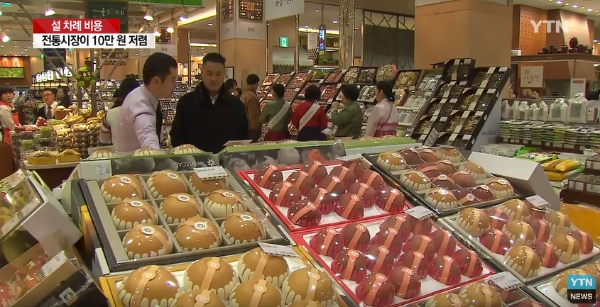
{"x": 209, "y": 116}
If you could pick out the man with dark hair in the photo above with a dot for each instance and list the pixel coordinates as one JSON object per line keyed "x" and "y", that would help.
{"x": 252, "y": 105}
{"x": 47, "y": 110}
{"x": 209, "y": 116}
{"x": 348, "y": 120}
{"x": 231, "y": 85}
{"x": 141, "y": 118}
{"x": 276, "y": 116}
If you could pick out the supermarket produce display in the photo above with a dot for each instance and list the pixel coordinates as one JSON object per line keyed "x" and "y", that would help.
{"x": 323, "y": 194}
{"x": 531, "y": 242}
{"x": 168, "y": 217}
{"x": 251, "y": 279}
{"x": 410, "y": 258}
{"x": 442, "y": 179}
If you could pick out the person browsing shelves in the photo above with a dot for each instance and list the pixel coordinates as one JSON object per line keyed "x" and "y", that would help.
{"x": 383, "y": 119}
{"x": 349, "y": 120}
{"x": 309, "y": 117}
{"x": 276, "y": 116}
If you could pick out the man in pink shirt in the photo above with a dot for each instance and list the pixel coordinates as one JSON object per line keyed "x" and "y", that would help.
{"x": 141, "y": 118}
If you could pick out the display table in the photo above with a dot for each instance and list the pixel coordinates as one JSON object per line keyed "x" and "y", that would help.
{"x": 53, "y": 174}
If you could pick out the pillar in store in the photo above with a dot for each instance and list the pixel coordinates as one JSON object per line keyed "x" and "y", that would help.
{"x": 242, "y": 38}
{"x": 479, "y": 29}
{"x": 347, "y": 26}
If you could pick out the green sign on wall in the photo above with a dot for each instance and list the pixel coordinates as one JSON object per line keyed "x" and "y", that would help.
{"x": 108, "y": 9}
{"x": 283, "y": 42}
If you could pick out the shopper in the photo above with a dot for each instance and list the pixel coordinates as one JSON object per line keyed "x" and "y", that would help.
{"x": 47, "y": 110}
{"x": 63, "y": 97}
{"x": 349, "y": 120}
{"x": 309, "y": 117}
{"x": 141, "y": 117}
{"x": 231, "y": 86}
{"x": 252, "y": 105}
{"x": 8, "y": 119}
{"x": 384, "y": 117}
{"x": 110, "y": 122}
{"x": 276, "y": 116}
{"x": 237, "y": 92}
{"x": 209, "y": 116}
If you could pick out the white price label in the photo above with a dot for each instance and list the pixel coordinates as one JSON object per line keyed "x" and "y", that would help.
{"x": 419, "y": 212}
{"x": 103, "y": 169}
{"x": 277, "y": 250}
{"x": 350, "y": 158}
{"x": 210, "y": 172}
{"x": 505, "y": 280}
{"x": 431, "y": 138}
{"x": 537, "y": 201}
{"x": 53, "y": 264}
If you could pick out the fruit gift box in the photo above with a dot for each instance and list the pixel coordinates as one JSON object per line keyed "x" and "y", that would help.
{"x": 553, "y": 291}
{"x": 393, "y": 261}
{"x": 533, "y": 243}
{"x": 442, "y": 179}
{"x": 317, "y": 194}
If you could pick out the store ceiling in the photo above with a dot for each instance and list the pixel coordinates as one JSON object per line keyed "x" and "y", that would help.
{"x": 202, "y": 21}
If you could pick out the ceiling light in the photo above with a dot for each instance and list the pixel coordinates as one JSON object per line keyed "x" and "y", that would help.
{"x": 595, "y": 41}
{"x": 559, "y": 2}
{"x": 575, "y": 5}
{"x": 48, "y": 11}
{"x": 183, "y": 17}
{"x": 589, "y": 10}
{"x": 316, "y": 10}
{"x": 156, "y": 32}
{"x": 306, "y": 26}
{"x": 210, "y": 23}
{"x": 0, "y": 13}
{"x": 5, "y": 38}
{"x": 334, "y": 21}
{"x": 148, "y": 15}
{"x": 170, "y": 29}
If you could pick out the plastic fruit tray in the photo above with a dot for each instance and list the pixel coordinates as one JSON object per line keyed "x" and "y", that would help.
{"x": 429, "y": 286}
{"x": 541, "y": 228}
{"x": 328, "y": 219}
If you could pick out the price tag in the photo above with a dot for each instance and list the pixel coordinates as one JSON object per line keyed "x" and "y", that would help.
{"x": 53, "y": 264}
{"x": 505, "y": 281}
{"x": 431, "y": 138}
{"x": 277, "y": 250}
{"x": 102, "y": 169}
{"x": 419, "y": 212}
{"x": 350, "y": 158}
{"x": 207, "y": 173}
{"x": 537, "y": 201}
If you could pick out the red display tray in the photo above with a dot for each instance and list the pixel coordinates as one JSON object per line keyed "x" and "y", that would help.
{"x": 329, "y": 219}
{"x": 429, "y": 286}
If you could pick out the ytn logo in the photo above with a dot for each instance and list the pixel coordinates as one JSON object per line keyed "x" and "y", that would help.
{"x": 556, "y": 24}
{"x": 581, "y": 289}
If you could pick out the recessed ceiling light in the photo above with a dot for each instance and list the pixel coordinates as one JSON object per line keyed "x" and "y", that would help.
{"x": 589, "y": 10}
{"x": 334, "y": 21}
{"x": 210, "y": 23}
{"x": 316, "y": 10}
{"x": 575, "y": 5}
{"x": 306, "y": 26}
{"x": 559, "y": 2}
